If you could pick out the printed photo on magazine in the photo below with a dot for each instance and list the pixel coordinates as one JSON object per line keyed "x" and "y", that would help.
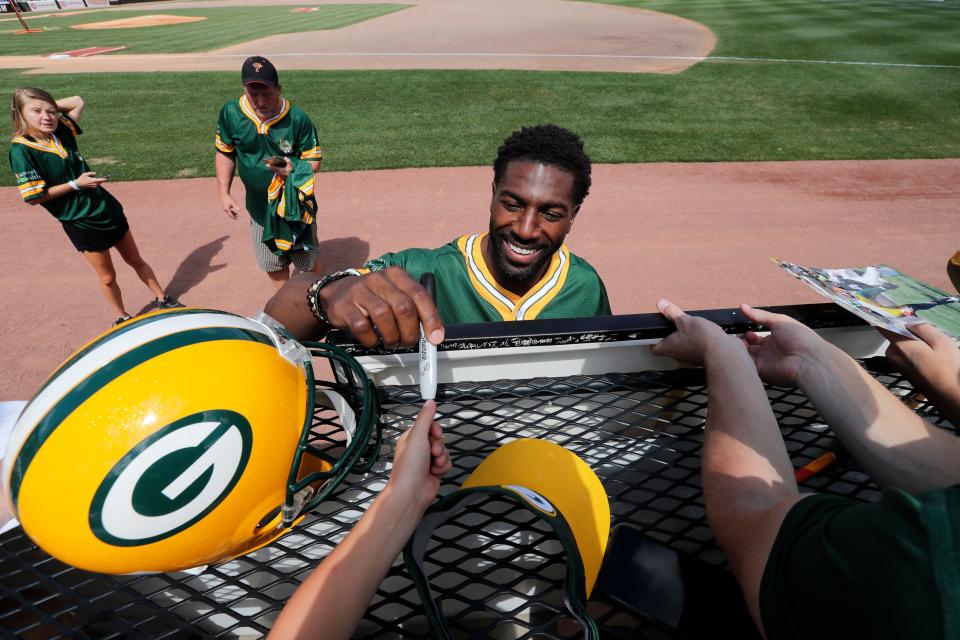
{"x": 883, "y": 296}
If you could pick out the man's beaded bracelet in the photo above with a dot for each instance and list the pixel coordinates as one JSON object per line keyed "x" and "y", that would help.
{"x": 313, "y": 295}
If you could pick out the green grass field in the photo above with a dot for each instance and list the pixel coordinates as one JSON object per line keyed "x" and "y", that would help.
{"x": 161, "y": 125}
{"x": 904, "y": 32}
{"x": 221, "y": 28}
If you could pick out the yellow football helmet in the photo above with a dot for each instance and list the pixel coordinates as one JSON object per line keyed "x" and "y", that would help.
{"x": 183, "y": 438}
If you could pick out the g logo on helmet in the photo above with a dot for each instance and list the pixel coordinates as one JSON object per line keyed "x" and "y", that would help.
{"x": 172, "y": 479}
{"x": 171, "y": 442}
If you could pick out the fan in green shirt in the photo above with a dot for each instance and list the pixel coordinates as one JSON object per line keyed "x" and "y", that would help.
{"x": 818, "y": 565}
{"x": 264, "y": 138}
{"x": 39, "y": 164}
{"x": 50, "y": 171}
{"x": 519, "y": 270}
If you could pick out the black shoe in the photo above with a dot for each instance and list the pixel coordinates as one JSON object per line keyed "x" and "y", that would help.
{"x": 121, "y": 319}
{"x": 166, "y": 302}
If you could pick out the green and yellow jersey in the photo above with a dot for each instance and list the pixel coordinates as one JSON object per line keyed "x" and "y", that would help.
{"x": 291, "y": 209}
{"x": 241, "y": 132}
{"x": 39, "y": 165}
{"x": 468, "y": 292}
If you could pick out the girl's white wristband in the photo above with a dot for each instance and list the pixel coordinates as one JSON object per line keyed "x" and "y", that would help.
{"x": 73, "y": 185}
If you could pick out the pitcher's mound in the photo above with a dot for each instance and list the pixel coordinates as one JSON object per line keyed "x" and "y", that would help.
{"x": 139, "y": 21}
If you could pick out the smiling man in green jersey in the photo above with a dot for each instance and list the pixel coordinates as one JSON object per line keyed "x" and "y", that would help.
{"x": 520, "y": 269}
{"x": 264, "y": 137}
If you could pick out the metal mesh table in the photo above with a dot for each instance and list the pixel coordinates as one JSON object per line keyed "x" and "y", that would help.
{"x": 501, "y": 573}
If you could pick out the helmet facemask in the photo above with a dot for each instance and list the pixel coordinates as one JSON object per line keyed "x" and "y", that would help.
{"x": 341, "y": 431}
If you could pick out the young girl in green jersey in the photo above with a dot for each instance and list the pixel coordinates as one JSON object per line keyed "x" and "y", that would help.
{"x": 50, "y": 171}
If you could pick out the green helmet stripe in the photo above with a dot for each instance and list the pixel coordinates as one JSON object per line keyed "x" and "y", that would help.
{"x": 92, "y": 384}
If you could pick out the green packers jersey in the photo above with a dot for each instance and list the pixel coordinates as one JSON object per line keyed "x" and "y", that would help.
{"x": 291, "y": 209}
{"x": 883, "y": 569}
{"x": 241, "y": 132}
{"x": 467, "y": 291}
{"x": 37, "y": 166}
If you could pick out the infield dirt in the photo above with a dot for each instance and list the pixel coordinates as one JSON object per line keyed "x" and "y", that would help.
{"x": 445, "y": 34}
{"x": 700, "y": 233}
{"x": 138, "y": 22}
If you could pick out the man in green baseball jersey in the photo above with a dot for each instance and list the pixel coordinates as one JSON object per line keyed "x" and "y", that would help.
{"x": 268, "y": 140}
{"x": 519, "y": 270}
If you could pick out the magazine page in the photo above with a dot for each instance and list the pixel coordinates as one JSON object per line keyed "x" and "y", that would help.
{"x": 883, "y": 296}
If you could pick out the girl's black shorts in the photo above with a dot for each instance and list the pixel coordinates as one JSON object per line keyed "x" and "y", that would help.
{"x": 89, "y": 240}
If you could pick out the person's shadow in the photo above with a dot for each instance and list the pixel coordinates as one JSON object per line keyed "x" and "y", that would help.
{"x": 192, "y": 270}
{"x": 337, "y": 254}
{"x": 343, "y": 253}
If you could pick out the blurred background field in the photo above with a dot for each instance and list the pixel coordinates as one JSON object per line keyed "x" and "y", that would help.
{"x": 219, "y": 27}
{"x": 789, "y": 80}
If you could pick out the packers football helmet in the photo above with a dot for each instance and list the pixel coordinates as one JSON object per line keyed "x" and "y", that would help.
{"x": 183, "y": 438}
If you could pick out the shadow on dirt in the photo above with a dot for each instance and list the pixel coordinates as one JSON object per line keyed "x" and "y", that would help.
{"x": 191, "y": 272}
{"x": 344, "y": 253}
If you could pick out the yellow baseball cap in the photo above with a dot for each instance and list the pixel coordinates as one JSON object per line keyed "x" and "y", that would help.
{"x": 552, "y": 483}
